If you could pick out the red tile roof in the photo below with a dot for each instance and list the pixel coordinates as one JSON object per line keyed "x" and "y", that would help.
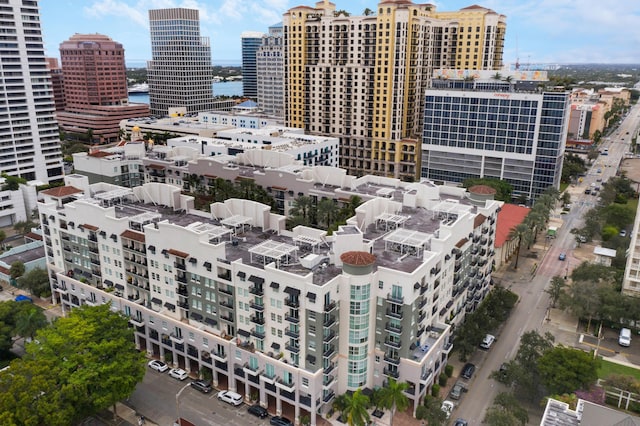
{"x": 33, "y": 236}
{"x": 482, "y": 190}
{"x": 133, "y": 235}
{"x": 508, "y": 217}
{"x": 178, "y": 253}
{"x": 358, "y": 258}
{"x": 61, "y": 191}
{"x": 90, "y": 227}
{"x": 479, "y": 220}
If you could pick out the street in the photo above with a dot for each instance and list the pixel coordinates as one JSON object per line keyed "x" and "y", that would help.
{"x": 531, "y": 310}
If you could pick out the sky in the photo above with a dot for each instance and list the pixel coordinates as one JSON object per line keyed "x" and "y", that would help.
{"x": 538, "y": 31}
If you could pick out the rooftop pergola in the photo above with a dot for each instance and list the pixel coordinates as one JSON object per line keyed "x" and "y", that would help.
{"x": 237, "y": 221}
{"x": 406, "y": 241}
{"x": 448, "y": 208}
{"x": 110, "y": 197}
{"x": 274, "y": 251}
{"x": 306, "y": 240}
{"x": 390, "y": 220}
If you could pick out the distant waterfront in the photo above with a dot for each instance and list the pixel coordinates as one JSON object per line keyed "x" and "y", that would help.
{"x": 230, "y": 88}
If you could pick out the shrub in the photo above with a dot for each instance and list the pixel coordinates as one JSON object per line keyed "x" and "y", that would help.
{"x": 442, "y": 379}
{"x": 435, "y": 390}
{"x": 448, "y": 370}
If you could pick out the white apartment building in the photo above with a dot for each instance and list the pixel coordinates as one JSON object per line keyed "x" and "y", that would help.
{"x": 118, "y": 165}
{"x": 29, "y": 138}
{"x": 296, "y": 317}
{"x": 631, "y": 281}
{"x": 180, "y": 72}
{"x": 241, "y": 118}
{"x": 17, "y": 205}
{"x": 270, "y": 70}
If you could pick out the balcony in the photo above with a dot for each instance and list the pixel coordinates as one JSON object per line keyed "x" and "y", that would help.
{"x": 328, "y": 397}
{"x": 329, "y": 368}
{"x": 292, "y": 319}
{"x": 292, "y": 348}
{"x": 225, "y": 290}
{"x": 392, "y": 343}
{"x": 227, "y": 318}
{"x": 257, "y": 333}
{"x": 328, "y": 337}
{"x": 180, "y": 265}
{"x": 391, "y": 373}
{"x": 392, "y": 298}
{"x": 176, "y": 339}
{"x": 292, "y": 303}
{"x": 292, "y": 333}
{"x": 393, "y": 328}
{"x": 329, "y": 321}
{"x": 426, "y": 377}
{"x": 219, "y": 356}
{"x": 329, "y": 307}
{"x": 256, "y": 290}
{"x": 227, "y": 304}
{"x": 397, "y": 314}
{"x": 328, "y": 379}
{"x": 392, "y": 359}
{"x": 331, "y": 350}
{"x": 447, "y": 348}
{"x": 257, "y": 319}
{"x": 287, "y": 386}
{"x": 256, "y": 306}
{"x": 181, "y": 278}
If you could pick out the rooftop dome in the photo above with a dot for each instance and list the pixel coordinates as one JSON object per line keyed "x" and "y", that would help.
{"x": 358, "y": 258}
{"x": 482, "y": 190}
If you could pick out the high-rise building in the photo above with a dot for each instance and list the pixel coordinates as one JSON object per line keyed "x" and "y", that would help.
{"x": 270, "y": 71}
{"x": 180, "y": 74}
{"x": 251, "y": 42}
{"x": 484, "y": 124}
{"x": 29, "y": 138}
{"x": 364, "y": 77}
{"x": 57, "y": 83}
{"x": 95, "y": 88}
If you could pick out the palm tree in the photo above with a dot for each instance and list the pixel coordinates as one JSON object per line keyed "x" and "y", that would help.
{"x": 327, "y": 210}
{"x": 393, "y": 397}
{"x": 301, "y": 210}
{"x": 29, "y": 321}
{"x": 356, "y": 409}
{"x": 521, "y": 233}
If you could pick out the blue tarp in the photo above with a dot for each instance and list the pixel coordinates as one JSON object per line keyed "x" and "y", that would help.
{"x": 22, "y": 298}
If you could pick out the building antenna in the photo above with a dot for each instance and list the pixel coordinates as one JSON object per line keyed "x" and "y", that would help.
{"x": 517, "y": 55}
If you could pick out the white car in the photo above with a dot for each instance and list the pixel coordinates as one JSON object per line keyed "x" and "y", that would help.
{"x": 487, "y": 341}
{"x": 178, "y": 373}
{"x": 230, "y": 397}
{"x": 158, "y": 365}
{"x": 447, "y": 407}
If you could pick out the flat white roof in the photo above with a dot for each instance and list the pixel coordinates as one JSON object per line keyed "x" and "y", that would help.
{"x": 273, "y": 250}
{"x": 601, "y": 251}
{"x": 407, "y": 241}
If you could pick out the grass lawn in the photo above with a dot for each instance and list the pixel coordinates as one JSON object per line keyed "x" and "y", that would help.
{"x": 633, "y": 204}
{"x": 563, "y": 186}
{"x": 608, "y": 367}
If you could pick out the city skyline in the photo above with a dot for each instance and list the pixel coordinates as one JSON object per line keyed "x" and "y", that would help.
{"x": 546, "y": 31}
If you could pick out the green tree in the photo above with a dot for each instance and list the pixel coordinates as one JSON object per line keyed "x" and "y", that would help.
{"x": 522, "y": 234}
{"x": 593, "y": 154}
{"x": 93, "y": 355}
{"x": 24, "y": 226}
{"x": 393, "y": 397}
{"x": 17, "y": 269}
{"x": 356, "y": 408}
{"x": 3, "y": 236}
{"x": 555, "y": 289}
{"x": 301, "y": 210}
{"x": 36, "y": 281}
{"x": 498, "y": 416}
{"x": 327, "y": 211}
{"x": 506, "y": 410}
{"x": 583, "y": 300}
{"x": 566, "y": 370}
{"x": 29, "y": 320}
{"x": 503, "y": 188}
{"x": 432, "y": 411}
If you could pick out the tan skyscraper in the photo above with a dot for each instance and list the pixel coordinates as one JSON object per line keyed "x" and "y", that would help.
{"x": 363, "y": 78}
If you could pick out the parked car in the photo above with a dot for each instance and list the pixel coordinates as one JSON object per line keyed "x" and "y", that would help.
{"x": 447, "y": 407}
{"x": 158, "y": 365}
{"x": 230, "y": 397}
{"x": 487, "y": 341}
{"x": 457, "y": 390}
{"x": 258, "y": 411}
{"x": 625, "y": 337}
{"x": 460, "y": 422}
{"x": 563, "y": 256}
{"x": 468, "y": 370}
{"x": 623, "y": 233}
{"x": 178, "y": 373}
{"x": 202, "y": 386}
{"x": 280, "y": 421}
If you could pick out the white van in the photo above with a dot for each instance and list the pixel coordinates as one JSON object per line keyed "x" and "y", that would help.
{"x": 625, "y": 337}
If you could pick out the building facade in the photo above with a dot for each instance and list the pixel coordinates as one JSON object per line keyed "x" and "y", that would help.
{"x": 294, "y": 317}
{"x": 478, "y": 126}
{"x": 57, "y": 83}
{"x": 180, "y": 72}
{"x": 251, "y": 42}
{"x": 29, "y": 138}
{"x": 270, "y": 71}
{"x": 363, "y": 78}
{"x": 631, "y": 281}
{"x": 95, "y": 88}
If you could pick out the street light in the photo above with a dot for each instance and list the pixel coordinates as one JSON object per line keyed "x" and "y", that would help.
{"x": 178, "y": 402}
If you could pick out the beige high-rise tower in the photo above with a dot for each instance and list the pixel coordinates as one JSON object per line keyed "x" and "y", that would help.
{"x": 363, "y": 78}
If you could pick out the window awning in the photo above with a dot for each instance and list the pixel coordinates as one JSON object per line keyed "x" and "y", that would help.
{"x": 196, "y": 316}
{"x": 311, "y": 359}
{"x": 152, "y": 248}
{"x": 119, "y": 286}
{"x": 274, "y": 284}
{"x": 292, "y": 291}
{"x": 311, "y": 296}
{"x": 193, "y": 260}
{"x": 256, "y": 280}
{"x": 156, "y": 301}
{"x": 169, "y": 306}
{"x": 210, "y": 321}
{"x": 243, "y": 333}
{"x": 108, "y": 282}
{"x": 241, "y": 274}
{"x": 207, "y": 265}
{"x": 275, "y": 346}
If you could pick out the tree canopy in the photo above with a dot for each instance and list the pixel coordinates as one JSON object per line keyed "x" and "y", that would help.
{"x": 78, "y": 366}
{"x": 502, "y": 187}
{"x": 565, "y": 370}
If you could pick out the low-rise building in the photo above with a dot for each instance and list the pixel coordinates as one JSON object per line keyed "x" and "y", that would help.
{"x": 296, "y": 317}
